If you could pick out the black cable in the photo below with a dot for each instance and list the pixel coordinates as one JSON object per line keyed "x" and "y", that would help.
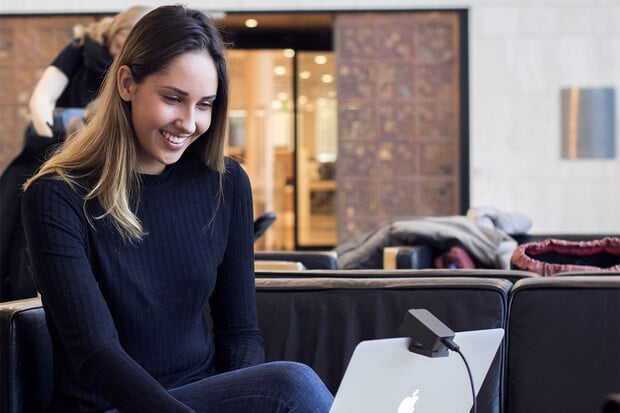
{"x": 455, "y": 347}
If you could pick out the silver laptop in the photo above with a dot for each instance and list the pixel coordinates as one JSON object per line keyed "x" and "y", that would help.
{"x": 383, "y": 376}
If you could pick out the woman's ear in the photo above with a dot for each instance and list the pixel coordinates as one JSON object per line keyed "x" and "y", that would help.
{"x": 125, "y": 83}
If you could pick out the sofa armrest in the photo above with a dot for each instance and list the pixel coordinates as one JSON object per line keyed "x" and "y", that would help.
{"x": 25, "y": 357}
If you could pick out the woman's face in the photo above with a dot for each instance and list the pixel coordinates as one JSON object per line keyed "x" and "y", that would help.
{"x": 117, "y": 42}
{"x": 170, "y": 109}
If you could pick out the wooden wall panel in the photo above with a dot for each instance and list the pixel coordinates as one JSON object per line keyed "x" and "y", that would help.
{"x": 399, "y": 136}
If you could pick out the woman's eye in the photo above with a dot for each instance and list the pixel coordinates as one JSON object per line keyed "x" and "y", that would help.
{"x": 205, "y": 104}
{"x": 172, "y": 99}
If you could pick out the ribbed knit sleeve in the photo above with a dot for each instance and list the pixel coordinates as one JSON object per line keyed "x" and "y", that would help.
{"x": 81, "y": 324}
{"x": 233, "y": 302}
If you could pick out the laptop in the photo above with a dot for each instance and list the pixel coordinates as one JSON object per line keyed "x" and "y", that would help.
{"x": 383, "y": 376}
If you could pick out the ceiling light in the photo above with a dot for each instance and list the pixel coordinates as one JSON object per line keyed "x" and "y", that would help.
{"x": 327, "y": 78}
{"x": 305, "y": 74}
{"x": 289, "y": 53}
{"x": 251, "y": 23}
{"x": 279, "y": 70}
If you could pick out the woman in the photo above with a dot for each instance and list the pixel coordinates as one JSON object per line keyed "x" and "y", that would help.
{"x": 137, "y": 224}
{"x": 74, "y": 77}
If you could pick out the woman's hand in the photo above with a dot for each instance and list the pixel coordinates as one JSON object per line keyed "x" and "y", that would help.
{"x": 43, "y": 100}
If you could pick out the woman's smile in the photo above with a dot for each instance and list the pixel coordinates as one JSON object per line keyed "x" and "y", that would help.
{"x": 175, "y": 139}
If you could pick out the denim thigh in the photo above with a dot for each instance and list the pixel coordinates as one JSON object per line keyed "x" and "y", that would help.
{"x": 275, "y": 387}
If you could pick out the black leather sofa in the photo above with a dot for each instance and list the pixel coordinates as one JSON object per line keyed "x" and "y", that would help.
{"x": 319, "y": 321}
{"x": 561, "y": 349}
{"x": 563, "y": 343}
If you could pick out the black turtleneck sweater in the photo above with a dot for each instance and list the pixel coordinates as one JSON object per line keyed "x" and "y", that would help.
{"x": 126, "y": 320}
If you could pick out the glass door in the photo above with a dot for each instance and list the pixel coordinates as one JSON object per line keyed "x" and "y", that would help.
{"x": 288, "y": 150}
{"x": 261, "y": 136}
{"x": 316, "y": 127}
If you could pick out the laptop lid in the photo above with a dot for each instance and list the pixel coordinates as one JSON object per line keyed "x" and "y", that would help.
{"x": 383, "y": 376}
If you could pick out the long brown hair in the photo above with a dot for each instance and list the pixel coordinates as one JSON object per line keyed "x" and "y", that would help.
{"x": 104, "y": 152}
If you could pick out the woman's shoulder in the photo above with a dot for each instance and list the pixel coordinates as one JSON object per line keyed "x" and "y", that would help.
{"x": 51, "y": 192}
{"x": 52, "y": 183}
{"x": 69, "y": 58}
{"x": 234, "y": 172}
{"x": 196, "y": 164}
{"x": 232, "y": 165}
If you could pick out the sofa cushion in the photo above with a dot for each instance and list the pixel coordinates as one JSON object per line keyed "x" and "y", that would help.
{"x": 563, "y": 351}
{"x": 319, "y": 321}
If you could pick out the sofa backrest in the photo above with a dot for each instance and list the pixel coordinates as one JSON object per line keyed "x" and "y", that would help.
{"x": 510, "y": 275}
{"x": 312, "y": 260}
{"x": 563, "y": 352}
{"x": 319, "y": 321}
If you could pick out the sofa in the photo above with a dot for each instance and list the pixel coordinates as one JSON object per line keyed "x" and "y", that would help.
{"x": 563, "y": 343}
{"x": 319, "y": 321}
{"x": 560, "y": 354}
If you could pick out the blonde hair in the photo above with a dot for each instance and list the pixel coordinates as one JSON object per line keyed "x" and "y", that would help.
{"x": 104, "y": 30}
{"x": 104, "y": 152}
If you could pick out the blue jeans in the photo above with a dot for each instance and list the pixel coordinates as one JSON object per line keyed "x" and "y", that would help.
{"x": 275, "y": 387}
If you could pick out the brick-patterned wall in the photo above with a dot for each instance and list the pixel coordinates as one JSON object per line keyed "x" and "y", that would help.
{"x": 27, "y": 45}
{"x": 398, "y": 117}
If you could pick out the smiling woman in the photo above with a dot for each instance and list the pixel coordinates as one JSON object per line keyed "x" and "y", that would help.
{"x": 171, "y": 109}
{"x": 137, "y": 224}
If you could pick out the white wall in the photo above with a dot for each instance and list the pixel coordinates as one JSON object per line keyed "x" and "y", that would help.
{"x": 522, "y": 52}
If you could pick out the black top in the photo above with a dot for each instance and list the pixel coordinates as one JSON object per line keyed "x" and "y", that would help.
{"x": 85, "y": 66}
{"x": 128, "y": 320}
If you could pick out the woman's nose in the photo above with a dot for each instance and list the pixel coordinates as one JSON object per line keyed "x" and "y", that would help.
{"x": 186, "y": 121}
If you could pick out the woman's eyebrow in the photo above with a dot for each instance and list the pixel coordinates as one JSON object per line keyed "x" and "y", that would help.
{"x": 184, "y": 93}
{"x": 176, "y": 90}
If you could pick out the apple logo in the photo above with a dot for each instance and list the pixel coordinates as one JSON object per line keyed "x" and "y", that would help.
{"x": 408, "y": 403}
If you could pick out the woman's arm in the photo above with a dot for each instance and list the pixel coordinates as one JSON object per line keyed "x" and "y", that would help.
{"x": 57, "y": 233}
{"x": 43, "y": 100}
{"x": 233, "y": 302}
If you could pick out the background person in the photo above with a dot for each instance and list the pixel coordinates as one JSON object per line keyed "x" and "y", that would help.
{"x": 72, "y": 80}
{"x": 138, "y": 224}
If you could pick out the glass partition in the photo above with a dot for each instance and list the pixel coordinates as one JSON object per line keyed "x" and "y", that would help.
{"x": 316, "y": 149}
{"x": 288, "y": 150}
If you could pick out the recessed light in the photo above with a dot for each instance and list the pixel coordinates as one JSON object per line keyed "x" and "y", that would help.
{"x": 320, "y": 59}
